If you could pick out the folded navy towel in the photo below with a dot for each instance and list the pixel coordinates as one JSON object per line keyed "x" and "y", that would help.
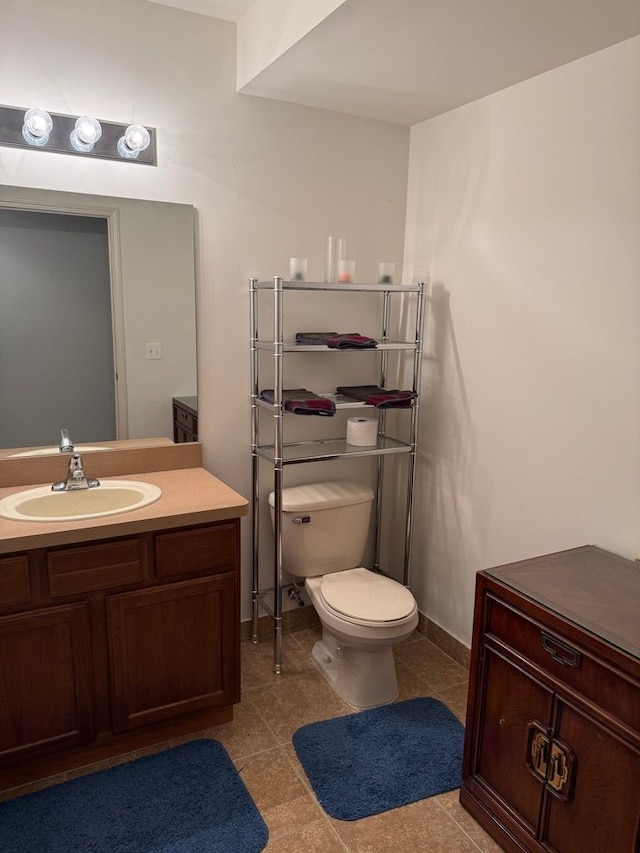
{"x": 337, "y": 340}
{"x": 318, "y": 338}
{"x": 381, "y": 398}
{"x": 300, "y": 401}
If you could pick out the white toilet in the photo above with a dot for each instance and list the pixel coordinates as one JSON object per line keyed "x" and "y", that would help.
{"x": 363, "y": 614}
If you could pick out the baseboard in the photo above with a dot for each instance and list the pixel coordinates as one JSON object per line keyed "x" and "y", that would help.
{"x": 444, "y": 641}
{"x": 299, "y": 618}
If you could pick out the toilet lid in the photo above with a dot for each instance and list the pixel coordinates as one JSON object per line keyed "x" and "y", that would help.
{"x": 361, "y": 594}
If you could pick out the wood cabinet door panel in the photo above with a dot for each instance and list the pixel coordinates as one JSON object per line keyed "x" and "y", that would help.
{"x": 512, "y": 700}
{"x": 173, "y": 649}
{"x": 46, "y": 688}
{"x": 606, "y": 783}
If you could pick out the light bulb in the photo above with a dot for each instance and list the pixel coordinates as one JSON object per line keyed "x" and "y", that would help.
{"x": 136, "y": 138}
{"x": 37, "y": 126}
{"x": 85, "y": 134}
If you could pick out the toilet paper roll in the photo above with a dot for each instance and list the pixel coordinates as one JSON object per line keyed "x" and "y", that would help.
{"x": 362, "y": 432}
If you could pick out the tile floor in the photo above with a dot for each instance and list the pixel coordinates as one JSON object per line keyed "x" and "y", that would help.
{"x": 259, "y": 742}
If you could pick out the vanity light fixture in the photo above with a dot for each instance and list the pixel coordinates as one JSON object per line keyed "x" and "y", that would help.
{"x": 85, "y": 134}
{"x": 36, "y": 129}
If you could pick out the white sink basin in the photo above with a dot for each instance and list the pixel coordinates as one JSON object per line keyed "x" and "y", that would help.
{"x": 109, "y": 498}
{"x": 53, "y": 451}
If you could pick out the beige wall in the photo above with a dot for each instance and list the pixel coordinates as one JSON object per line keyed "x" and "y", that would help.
{"x": 268, "y": 179}
{"x": 525, "y": 209}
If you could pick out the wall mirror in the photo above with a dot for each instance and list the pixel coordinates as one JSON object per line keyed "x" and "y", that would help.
{"x": 97, "y": 316}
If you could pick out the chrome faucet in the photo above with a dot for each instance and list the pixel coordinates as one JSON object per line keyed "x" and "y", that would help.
{"x": 66, "y": 445}
{"x": 76, "y": 479}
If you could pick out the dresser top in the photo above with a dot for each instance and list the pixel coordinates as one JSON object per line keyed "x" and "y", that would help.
{"x": 591, "y": 587}
{"x": 187, "y": 403}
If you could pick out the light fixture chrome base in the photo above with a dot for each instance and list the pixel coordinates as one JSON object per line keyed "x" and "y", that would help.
{"x": 59, "y": 139}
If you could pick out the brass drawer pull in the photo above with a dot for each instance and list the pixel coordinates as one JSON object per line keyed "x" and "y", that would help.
{"x": 550, "y": 760}
{"x": 559, "y": 769}
{"x": 561, "y": 653}
{"x": 537, "y": 758}
{"x": 561, "y": 765}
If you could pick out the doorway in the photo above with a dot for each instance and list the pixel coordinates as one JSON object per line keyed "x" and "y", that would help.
{"x": 56, "y": 329}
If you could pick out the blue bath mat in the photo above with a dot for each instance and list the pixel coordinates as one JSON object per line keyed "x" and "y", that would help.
{"x": 189, "y": 799}
{"x": 375, "y": 760}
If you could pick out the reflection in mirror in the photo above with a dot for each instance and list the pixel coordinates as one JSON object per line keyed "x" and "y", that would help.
{"x": 87, "y": 283}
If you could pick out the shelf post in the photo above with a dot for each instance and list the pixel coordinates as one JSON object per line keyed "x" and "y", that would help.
{"x": 277, "y": 472}
{"x": 415, "y": 410}
{"x": 253, "y": 321}
{"x": 382, "y": 417}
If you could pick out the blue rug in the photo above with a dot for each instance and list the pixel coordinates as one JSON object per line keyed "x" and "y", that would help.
{"x": 189, "y": 799}
{"x": 376, "y": 760}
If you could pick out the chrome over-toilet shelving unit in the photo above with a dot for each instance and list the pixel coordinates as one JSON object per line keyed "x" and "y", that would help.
{"x": 281, "y": 454}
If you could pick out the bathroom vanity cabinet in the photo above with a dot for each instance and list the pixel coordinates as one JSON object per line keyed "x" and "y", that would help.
{"x": 280, "y": 453}
{"x": 552, "y": 749}
{"x": 103, "y": 640}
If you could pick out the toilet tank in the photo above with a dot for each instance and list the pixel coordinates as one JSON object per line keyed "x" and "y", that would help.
{"x": 324, "y": 526}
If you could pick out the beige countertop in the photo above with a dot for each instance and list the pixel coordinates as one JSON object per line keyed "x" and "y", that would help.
{"x": 189, "y": 496}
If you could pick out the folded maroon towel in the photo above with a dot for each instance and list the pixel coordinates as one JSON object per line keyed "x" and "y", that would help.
{"x": 352, "y": 341}
{"x": 381, "y": 398}
{"x": 300, "y": 401}
{"x": 337, "y": 340}
{"x": 392, "y": 399}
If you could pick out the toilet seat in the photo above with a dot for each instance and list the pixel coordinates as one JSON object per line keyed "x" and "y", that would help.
{"x": 366, "y": 598}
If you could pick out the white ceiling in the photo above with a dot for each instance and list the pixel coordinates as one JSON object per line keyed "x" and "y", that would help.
{"x": 407, "y": 60}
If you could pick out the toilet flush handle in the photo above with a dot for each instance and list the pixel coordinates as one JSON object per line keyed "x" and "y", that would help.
{"x": 302, "y": 519}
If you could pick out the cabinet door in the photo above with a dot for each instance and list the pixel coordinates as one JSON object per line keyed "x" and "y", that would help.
{"x": 512, "y": 699}
{"x": 46, "y": 685}
{"x": 601, "y": 811}
{"x": 173, "y": 649}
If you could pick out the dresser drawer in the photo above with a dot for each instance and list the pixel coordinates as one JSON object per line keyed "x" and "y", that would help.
{"x": 93, "y": 567}
{"x": 205, "y": 549}
{"x": 566, "y": 661}
{"x": 14, "y": 580}
{"x": 185, "y": 420}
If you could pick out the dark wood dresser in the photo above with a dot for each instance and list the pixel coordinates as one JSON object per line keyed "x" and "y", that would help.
{"x": 552, "y": 747}
{"x": 185, "y": 419}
